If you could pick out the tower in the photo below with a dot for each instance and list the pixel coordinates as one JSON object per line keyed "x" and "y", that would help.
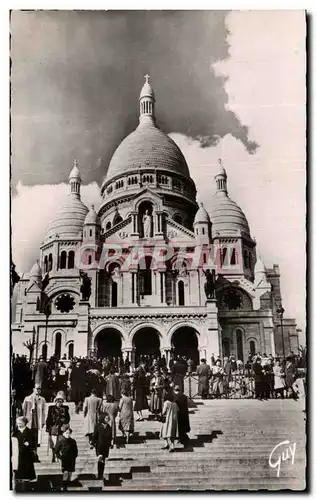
{"x": 202, "y": 226}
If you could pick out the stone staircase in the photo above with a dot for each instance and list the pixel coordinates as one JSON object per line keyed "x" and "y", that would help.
{"x": 231, "y": 441}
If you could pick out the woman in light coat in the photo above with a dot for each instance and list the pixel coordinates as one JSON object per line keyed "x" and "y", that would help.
{"x": 34, "y": 410}
{"x": 279, "y": 380}
{"x": 169, "y": 430}
{"x": 126, "y": 422}
{"x": 91, "y": 408}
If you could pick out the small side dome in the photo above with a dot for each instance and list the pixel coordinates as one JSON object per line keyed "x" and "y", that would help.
{"x": 260, "y": 267}
{"x": 92, "y": 217}
{"x": 36, "y": 271}
{"x": 201, "y": 215}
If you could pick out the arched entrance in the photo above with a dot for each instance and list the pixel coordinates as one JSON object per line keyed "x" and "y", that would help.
{"x": 146, "y": 343}
{"x": 185, "y": 343}
{"x": 108, "y": 343}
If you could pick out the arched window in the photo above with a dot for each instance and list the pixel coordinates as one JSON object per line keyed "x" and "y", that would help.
{"x": 71, "y": 259}
{"x": 50, "y": 262}
{"x": 204, "y": 258}
{"x": 44, "y": 351}
{"x": 203, "y": 230}
{"x": 246, "y": 262}
{"x": 58, "y": 345}
{"x": 181, "y": 293}
{"x": 197, "y": 231}
{"x": 252, "y": 347}
{"x": 114, "y": 294}
{"x": 89, "y": 259}
{"x": 223, "y": 256}
{"x": 117, "y": 219}
{"x": 239, "y": 342}
{"x": 145, "y": 276}
{"x": 45, "y": 264}
{"x": 108, "y": 226}
{"x": 233, "y": 258}
{"x": 63, "y": 259}
{"x": 71, "y": 350}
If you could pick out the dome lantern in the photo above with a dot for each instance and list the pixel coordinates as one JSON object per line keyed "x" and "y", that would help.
{"x": 147, "y": 104}
{"x": 75, "y": 181}
{"x": 221, "y": 178}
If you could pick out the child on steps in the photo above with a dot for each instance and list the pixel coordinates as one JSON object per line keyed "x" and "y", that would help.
{"x": 67, "y": 451}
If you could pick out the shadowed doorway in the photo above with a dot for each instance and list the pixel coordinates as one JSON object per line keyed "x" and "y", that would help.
{"x": 146, "y": 343}
{"x": 108, "y": 343}
{"x": 185, "y": 343}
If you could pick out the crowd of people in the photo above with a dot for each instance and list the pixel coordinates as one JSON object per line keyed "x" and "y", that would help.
{"x": 121, "y": 400}
{"x": 262, "y": 377}
{"x": 112, "y": 396}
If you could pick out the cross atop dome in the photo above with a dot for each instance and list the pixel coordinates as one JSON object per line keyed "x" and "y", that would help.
{"x": 147, "y": 103}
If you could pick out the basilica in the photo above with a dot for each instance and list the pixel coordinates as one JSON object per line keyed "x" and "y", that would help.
{"x": 150, "y": 271}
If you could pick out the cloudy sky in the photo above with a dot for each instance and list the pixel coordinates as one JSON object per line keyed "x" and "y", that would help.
{"x": 227, "y": 84}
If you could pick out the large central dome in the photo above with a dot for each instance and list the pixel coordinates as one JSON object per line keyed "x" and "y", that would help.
{"x": 147, "y": 147}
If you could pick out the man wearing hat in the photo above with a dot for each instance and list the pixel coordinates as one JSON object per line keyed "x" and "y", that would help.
{"x": 34, "y": 410}
{"x": 183, "y": 415}
{"x": 58, "y": 415}
{"x": 204, "y": 373}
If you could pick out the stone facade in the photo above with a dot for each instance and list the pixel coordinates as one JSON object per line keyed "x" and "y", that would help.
{"x": 146, "y": 252}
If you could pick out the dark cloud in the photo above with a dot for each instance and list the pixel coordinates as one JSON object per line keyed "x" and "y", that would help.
{"x": 76, "y": 78}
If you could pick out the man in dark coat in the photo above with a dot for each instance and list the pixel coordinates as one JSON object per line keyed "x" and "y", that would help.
{"x": 16, "y": 409}
{"x": 178, "y": 373}
{"x": 141, "y": 390}
{"x": 183, "y": 415}
{"x": 102, "y": 438}
{"x": 203, "y": 372}
{"x": 78, "y": 385}
{"x": 57, "y": 417}
{"x": 23, "y": 453}
{"x": 290, "y": 377}
{"x": 258, "y": 375}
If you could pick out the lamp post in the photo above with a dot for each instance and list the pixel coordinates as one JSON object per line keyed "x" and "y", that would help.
{"x": 280, "y": 312}
{"x": 47, "y": 312}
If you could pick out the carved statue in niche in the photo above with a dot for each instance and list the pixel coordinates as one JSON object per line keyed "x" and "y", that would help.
{"x": 85, "y": 288}
{"x": 209, "y": 285}
{"x": 116, "y": 273}
{"x": 147, "y": 225}
{"x": 183, "y": 271}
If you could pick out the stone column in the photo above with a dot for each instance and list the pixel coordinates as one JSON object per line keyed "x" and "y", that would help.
{"x": 158, "y": 224}
{"x": 81, "y": 339}
{"x": 135, "y": 231}
{"x": 133, "y": 359}
{"x": 167, "y": 354}
{"x": 213, "y": 340}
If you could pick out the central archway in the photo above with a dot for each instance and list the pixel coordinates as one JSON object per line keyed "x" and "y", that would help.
{"x": 108, "y": 343}
{"x": 146, "y": 342}
{"x": 185, "y": 343}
